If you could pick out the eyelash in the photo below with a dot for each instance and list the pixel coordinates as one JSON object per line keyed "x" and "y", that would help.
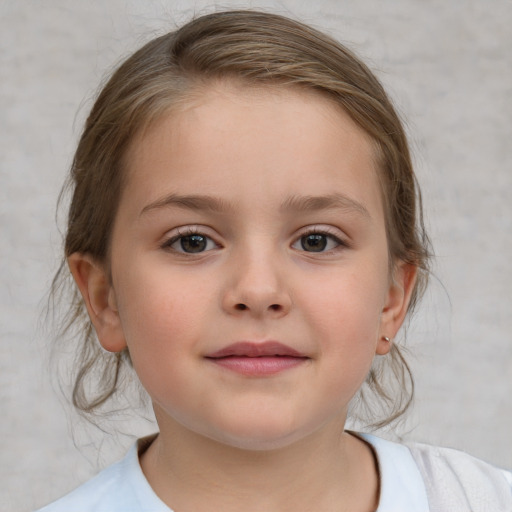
{"x": 340, "y": 243}
{"x": 182, "y": 235}
{"x": 193, "y": 231}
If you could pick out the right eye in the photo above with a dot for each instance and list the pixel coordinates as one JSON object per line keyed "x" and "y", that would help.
{"x": 192, "y": 243}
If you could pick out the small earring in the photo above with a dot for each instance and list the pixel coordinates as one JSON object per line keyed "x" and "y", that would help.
{"x": 386, "y": 339}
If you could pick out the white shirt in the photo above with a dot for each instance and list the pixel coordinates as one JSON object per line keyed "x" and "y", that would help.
{"x": 413, "y": 478}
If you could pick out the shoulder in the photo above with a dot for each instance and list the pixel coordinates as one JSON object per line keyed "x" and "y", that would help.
{"x": 92, "y": 495}
{"x": 454, "y": 477}
{"x": 446, "y": 479}
{"x": 121, "y": 487}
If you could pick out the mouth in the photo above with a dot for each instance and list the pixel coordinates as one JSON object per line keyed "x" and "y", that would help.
{"x": 257, "y": 359}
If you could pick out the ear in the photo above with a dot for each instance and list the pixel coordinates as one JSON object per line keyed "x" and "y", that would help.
{"x": 397, "y": 301}
{"x": 99, "y": 297}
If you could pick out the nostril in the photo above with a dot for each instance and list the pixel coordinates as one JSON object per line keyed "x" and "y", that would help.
{"x": 272, "y": 307}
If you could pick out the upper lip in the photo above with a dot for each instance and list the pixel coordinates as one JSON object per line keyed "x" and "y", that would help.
{"x": 255, "y": 349}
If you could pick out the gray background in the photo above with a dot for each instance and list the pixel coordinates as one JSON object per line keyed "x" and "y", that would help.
{"x": 449, "y": 67}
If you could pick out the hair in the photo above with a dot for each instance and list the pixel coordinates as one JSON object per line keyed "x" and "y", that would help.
{"x": 249, "y": 48}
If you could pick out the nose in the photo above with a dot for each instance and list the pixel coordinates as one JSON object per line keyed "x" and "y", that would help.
{"x": 257, "y": 287}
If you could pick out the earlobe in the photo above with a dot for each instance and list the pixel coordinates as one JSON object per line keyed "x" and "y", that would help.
{"x": 99, "y": 297}
{"x": 397, "y": 302}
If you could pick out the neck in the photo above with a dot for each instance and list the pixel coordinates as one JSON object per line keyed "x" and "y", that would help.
{"x": 329, "y": 470}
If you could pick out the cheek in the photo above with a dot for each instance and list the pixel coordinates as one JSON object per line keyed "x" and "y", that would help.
{"x": 162, "y": 336}
{"x": 159, "y": 314}
{"x": 349, "y": 303}
{"x": 346, "y": 317}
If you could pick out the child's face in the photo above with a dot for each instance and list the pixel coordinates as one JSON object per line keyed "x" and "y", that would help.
{"x": 275, "y": 197}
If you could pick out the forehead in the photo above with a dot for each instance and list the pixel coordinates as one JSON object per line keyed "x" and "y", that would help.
{"x": 232, "y": 140}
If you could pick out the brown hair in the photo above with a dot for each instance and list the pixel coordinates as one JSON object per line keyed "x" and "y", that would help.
{"x": 253, "y": 48}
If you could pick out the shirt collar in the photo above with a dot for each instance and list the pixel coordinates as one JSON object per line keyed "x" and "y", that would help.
{"x": 402, "y": 488}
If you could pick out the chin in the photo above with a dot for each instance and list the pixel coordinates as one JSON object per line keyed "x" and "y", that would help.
{"x": 258, "y": 437}
{"x": 258, "y": 443}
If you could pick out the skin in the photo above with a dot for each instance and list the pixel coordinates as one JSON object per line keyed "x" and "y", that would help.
{"x": 228, "y": 441}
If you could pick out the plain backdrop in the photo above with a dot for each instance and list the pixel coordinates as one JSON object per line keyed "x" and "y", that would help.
{"x": 448, "y": 66}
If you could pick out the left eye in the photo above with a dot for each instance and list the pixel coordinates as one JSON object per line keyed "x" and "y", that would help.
{"x": 317, "y": 242}
{"x": 191, "y": 244}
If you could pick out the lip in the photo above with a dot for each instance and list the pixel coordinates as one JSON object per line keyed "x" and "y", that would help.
{"x": 256, "y": 349}
{"x": 257, "y": 359}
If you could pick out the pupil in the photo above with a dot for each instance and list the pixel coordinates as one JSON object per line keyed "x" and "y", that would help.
{"x": 314, "y": 243}
{"x": 193, "y": 243}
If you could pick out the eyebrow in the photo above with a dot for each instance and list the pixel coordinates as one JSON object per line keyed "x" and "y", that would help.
{"x": 190, "y": 202}
{"x": 328, "y": 202}
{"x": 294, "y": 204}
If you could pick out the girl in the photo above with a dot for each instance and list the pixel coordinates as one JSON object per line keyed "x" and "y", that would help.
{"x": 245, "y": 232}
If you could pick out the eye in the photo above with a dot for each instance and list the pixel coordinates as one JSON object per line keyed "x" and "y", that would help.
{"x": 318, "y": 241}
{"x": 190, "y": 243}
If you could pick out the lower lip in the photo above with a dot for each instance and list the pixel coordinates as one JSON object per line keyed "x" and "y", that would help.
{"x": 259, "y": 366}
